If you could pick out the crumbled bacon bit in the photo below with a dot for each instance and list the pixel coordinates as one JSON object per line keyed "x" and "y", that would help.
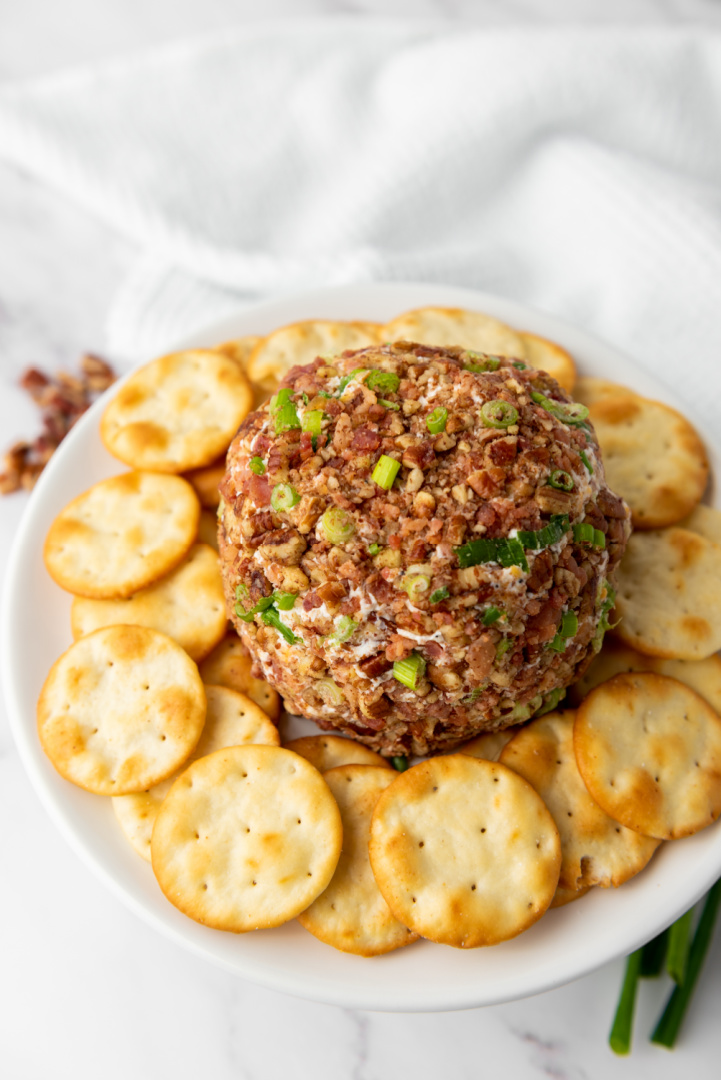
{"x": 63, "y": 398}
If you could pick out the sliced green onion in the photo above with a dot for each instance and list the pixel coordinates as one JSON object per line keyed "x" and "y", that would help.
{"x": 338, "y": 526}
{"x": 410, "y": 670}
{"x": 373, "y": 549}
{"x": 583, "y": 533}
{"x": 620, "y": 1036}
{"x": 286, "y": 419}
{"x": 500, "y": 550}
{"x": 272, "y": 618}
{"x": 557, "y": 527}
{"x": 284, "y": 497}
{"x": 263, "y": 604}
{"x": 485, "y": 363}
{"x": 437, "y": 420}
{"x": 241, "y": 594}
{"x": 329, "y": 692}
{"x": 284, "y": 600}
{"x": 385, "y": 381}
{"x": 439, "y": 594}
{"x": 567, "y": 630}
{"x": 389, "y": 404}
{"x": 473, "y": 696}
{"x": 324, "y": 394}
{"x": 520, "y": 365}
{"x": 312, "y": 420}
{"x": 498, "y": 414}
{"x": 669, "y": 1025}
{"x": 416, "y": 585}
{"x": 343, "y": 631}
{"x": 280, "y": 399}
{"x": 400, "y": 764}
{"x": 256, "y": 465}
{"x": 491, "y": 615}
{"x": 503, "y": 646}
{"x": 653, "y": 956}
{"x": 551, "y": 700}
{"x": 679, "y": 938}
{"x": 584, "y": 458}
{"x": 561, "y": 480}
{"x": 385, "y": 472}
{"x": 599, "y": 539}
{"x": 569, "y": 412}
{"x": 348, "y": 378}
{"x": 305, "y": 397}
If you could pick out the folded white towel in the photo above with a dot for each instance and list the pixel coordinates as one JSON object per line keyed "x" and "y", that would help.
{"x": 576, "y": 170}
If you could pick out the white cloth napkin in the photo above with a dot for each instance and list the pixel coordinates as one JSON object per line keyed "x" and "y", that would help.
{"x": 576, "y": 170}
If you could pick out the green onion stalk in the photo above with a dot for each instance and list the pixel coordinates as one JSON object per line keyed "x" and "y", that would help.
{"x": 385, "y": 472}
{"x": 436, "y": 421}
{"x": 416, "y": 585}
{"x": 498, "y": 414}
{"x": 410, "y": 670}
{"x": 338, "y": 526}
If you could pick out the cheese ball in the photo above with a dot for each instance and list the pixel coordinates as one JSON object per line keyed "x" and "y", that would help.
{"x": 418, "y": 543}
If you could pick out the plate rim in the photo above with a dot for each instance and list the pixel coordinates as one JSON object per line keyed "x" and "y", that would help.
{"x": 393, "y": 995}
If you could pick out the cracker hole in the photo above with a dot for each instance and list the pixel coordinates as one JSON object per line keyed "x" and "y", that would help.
{"x": 205, "y": 887}
{"x": 421, "y": 843}
{"x": 297, "y": 821}
{"x": 413, "y": 899}
{"x": 254, "y": 883}
{"x": 435, "y": 788}
{"x": 570, "y": 814}
{"x": 197, "y": 836}
{"x": 495, "y": 779}
{"x": 483, "y": 830}
{"x": 617, "y": 829}
{"x": 473, "y": 888}
{"x": 163, "y": 738}
{"x": 309, "y": 874}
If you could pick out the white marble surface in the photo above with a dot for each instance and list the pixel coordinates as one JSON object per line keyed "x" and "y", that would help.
{"x": 85, "y": 988}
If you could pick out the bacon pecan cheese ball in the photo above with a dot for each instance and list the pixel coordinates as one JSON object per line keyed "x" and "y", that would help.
{"x": 418, "y": 543}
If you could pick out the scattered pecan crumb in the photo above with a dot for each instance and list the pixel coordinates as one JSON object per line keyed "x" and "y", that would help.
{"x": 62, "y": 399}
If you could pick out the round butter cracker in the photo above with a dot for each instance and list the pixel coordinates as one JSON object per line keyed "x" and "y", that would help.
{"x": 464, "y": 851}
{"x": 121, "y": 710}
{"x": 178, "y": 412}
{"x": 351, "y": 915}
{"x": 122, "y": 534}
{"x": 649, "y": 751}
{"x": 247, "y": 838}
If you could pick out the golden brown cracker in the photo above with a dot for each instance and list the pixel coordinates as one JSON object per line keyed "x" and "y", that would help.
{"x": 229, "y": 665}
{"x": 351, "y": 914}
{"x": 302, "y": 343}
{"x": 488, "y": 745}
{"x": 121, "y": 710}
{"x": 232, "y": 719}
{"x": 330, "y": 751}
{"x": 178, "y": 412}
{"x": 652, "y": 456}
{"x": 595, "y": 849}
{"x": 247, "y": 838}
{"x": 547, "y": 356}
{"x": 464, "y": 851}
{"x": 205, "y": 482}
{"x": 122, "y": 534}
{"x": 455, "y": 326}
{"x": 703, "y": 676}
{"x": 187, "y": 604}
{"x": 649, "y": 751}
{"x": 668, "y": 595}
{"x": 208, "y": 529}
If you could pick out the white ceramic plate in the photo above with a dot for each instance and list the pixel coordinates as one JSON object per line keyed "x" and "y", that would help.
{"x": 567, "y": 943}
